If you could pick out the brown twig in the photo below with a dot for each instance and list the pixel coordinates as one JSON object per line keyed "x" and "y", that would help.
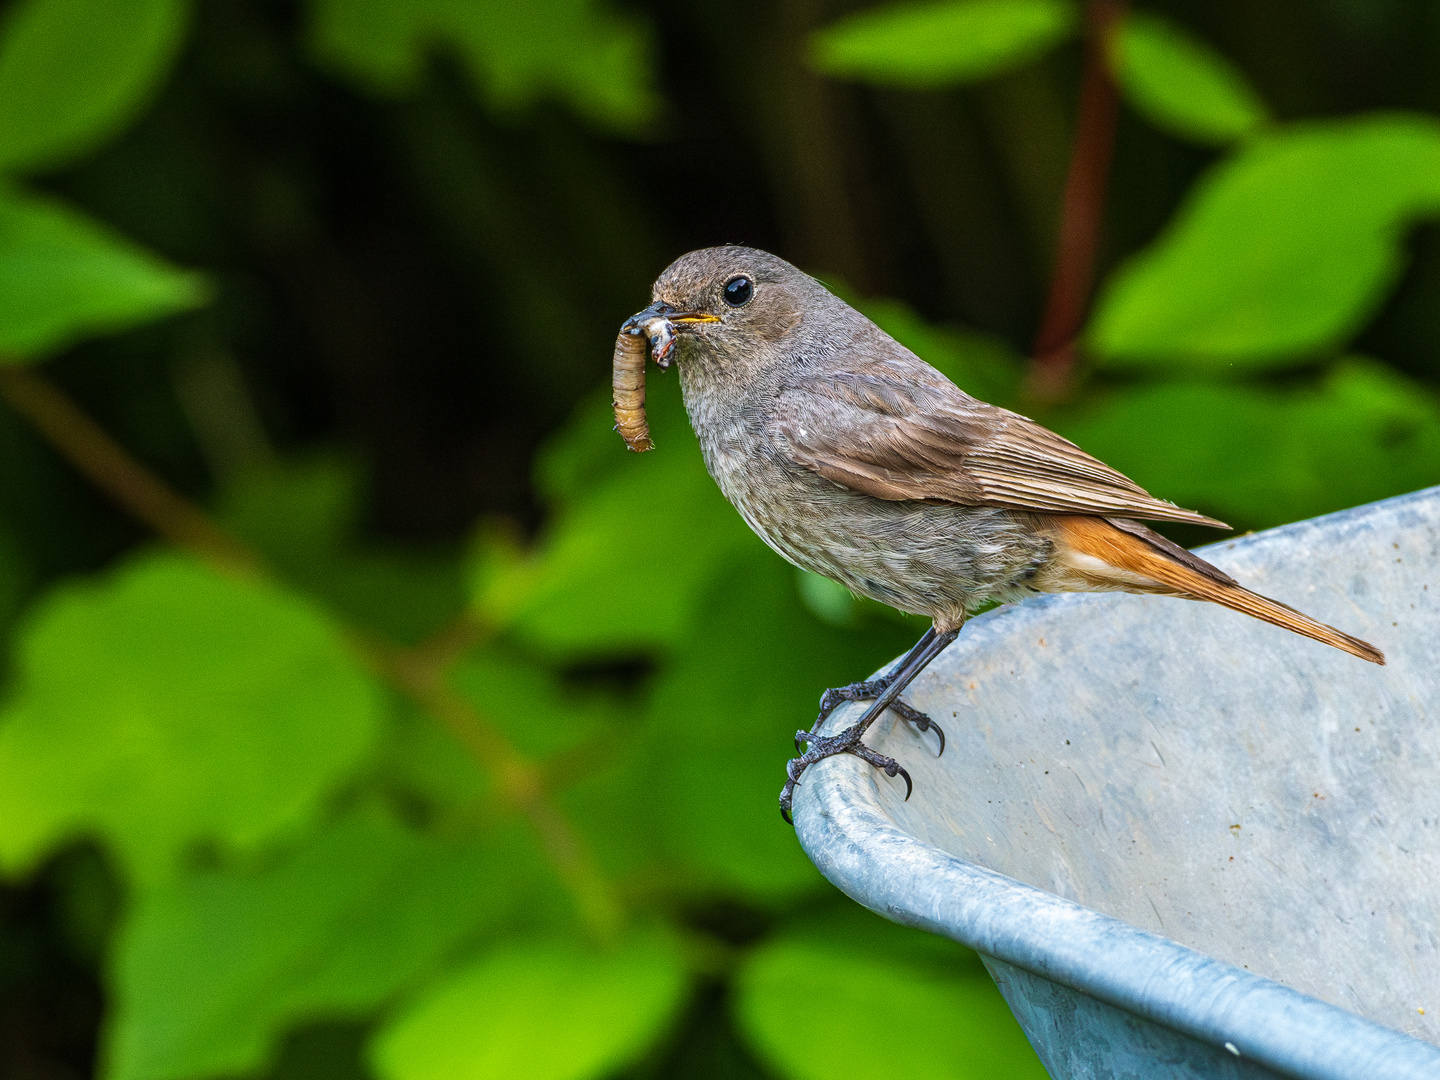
{"x": 520, "y": 782}
{"x": 112, "y": 469}
{"x": 419, "y": 672}
{"x": 1083, "y": 209}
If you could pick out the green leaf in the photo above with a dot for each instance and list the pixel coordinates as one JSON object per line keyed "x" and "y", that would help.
{"x": 581, "y": 52}
{"x": 430, "y": 766}
{"x": 938, "y": 44}
{"x": 1279, "y": 253}
{"x": 588, "y": 449}
{"x": 903, "y": 1020}
{"x": 379, "y": 43}
{"x": 625, "y": 564}
{"x": 544, "y": 1010}
{"x": 296, "y": 511}
{"x": 303, "y": 517}
{"x": 209, "y": 971}
{"x": 625, "y": 568}
{"x": 723, "y": 719}
{"x": 1260, "y": 456}
{"x": 74, "y": 72}
{"x": 527, "y": 701}
{"x": 1183, "y": 85}
{"x": 64, "y": 277}
{"x": 165, "y": 705}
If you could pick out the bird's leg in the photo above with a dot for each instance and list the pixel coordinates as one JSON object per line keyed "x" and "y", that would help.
{"x": 869, "y": 690}
{"x": 848, "y": 741}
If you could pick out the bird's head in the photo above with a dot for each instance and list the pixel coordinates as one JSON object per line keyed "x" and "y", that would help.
{"x": 733, "y": 304}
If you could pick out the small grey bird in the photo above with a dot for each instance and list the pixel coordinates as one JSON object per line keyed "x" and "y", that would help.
{"x": 855, "y": 459}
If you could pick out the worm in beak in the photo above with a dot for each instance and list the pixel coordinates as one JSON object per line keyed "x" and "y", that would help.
{"x": 656, "y": 324}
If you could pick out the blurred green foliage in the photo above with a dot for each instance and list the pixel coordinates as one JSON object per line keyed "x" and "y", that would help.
{"x": 952, "y": 41}
{"x": 168, "y": 705}
{"x": 920, "y": 1019}
{"x": 586, "y": 54}
{"x": 63, "y": 277}
{"x": 74, "y": 72}
{"x": 496, "y": 796}
{"x": 1182, "y": 84}
{"x": 1280, "y": 252}
{"x": 497, "y": 1017}
{"x": 1288, "y": 452}
{"x": 209, "y": 968}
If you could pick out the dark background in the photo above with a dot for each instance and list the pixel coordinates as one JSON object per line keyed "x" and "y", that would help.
{"x": 436, "y": 286}
{"x": 429, "y": 287}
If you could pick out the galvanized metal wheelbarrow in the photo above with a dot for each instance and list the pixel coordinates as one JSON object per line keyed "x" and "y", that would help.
{"x": 1186, "y": 843}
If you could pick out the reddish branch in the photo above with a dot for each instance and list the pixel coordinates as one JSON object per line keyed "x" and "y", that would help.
{"x": 1084, "y": 205}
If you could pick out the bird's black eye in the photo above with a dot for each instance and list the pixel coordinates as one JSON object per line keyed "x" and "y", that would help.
{"x": 738, "y": 291}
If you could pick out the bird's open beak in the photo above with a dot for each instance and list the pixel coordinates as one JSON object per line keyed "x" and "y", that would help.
{"x": 638, "y": 322}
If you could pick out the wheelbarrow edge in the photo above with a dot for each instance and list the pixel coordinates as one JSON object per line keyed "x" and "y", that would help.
{"x": 913, "y": 883}
{"x": 1257, "y": 1019}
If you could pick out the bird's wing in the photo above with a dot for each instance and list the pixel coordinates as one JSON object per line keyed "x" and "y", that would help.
{"x": 914, "y": 435}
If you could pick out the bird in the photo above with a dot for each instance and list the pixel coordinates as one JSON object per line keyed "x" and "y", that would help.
{"x": 854, "y": 459}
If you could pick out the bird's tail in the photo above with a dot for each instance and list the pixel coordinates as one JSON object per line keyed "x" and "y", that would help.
{"x": 1115, "y": 553}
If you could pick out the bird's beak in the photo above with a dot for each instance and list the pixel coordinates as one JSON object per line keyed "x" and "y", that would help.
{"x": 638, "y": 322}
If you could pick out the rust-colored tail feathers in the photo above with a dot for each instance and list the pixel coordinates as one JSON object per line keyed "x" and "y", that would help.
{"x": 1132, "y": 549}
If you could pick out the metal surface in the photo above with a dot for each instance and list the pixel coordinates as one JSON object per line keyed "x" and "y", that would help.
{"x": 1140, "y": 769}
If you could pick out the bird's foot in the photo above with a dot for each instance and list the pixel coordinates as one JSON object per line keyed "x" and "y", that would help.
{"x": 823, "y": 746}
{"x": 869, "y": 690}
{"x": 885, "y": 692}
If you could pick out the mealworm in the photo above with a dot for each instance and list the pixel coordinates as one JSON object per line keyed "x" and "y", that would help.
{"x": 627, "y": 378}
{"x": 628, "y": 381}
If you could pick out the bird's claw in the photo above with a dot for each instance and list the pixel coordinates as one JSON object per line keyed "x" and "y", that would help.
{"x": 888, "y": 765}
{"x": 869, "y": 690}
{"x": 823, "y": 746}
{"x": 865, "y": 690}
{"x": 921, "y": 721}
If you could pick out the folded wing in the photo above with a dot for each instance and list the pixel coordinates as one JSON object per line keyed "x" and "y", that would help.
{"x": 914, "y": 435}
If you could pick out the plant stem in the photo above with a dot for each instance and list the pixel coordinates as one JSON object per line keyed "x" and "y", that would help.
{"x": 1083, "y": 210}
{"x": 111, "y": 468}
{"x": 419, "y": 672}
